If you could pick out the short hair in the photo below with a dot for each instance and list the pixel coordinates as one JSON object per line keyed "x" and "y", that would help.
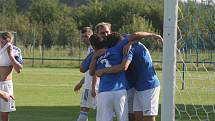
{"x": 112, "y": 39}
{"x": 102, "y": 24}
{"x": 86, "y": 29}
{"x": 97, "y": 41}
{"x": 6, "y": 35}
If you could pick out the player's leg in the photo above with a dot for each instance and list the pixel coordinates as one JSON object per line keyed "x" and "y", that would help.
{"x": 149, "y": 103}
{"x": 6, "y": 106}
{"x": 131, "y": 116}
{"x": 137, "y": 107}
{"x": 87, "y": 102}
{"x": 104, "y": 106}
{"x": 130, "y": 95}
{"x": 138, "y": 115}
{"x": 5, "y": 116}
{"x": 148, "y": 118}
{"x": 83, "y": 116}
{"x": 121, "y": 105}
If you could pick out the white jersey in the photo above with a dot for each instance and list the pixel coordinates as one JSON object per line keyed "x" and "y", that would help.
{"x": 88, "y": 78}
{"x": 5, "y": 61}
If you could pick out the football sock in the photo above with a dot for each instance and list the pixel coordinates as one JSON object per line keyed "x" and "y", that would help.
{"x": 83, "y": 116}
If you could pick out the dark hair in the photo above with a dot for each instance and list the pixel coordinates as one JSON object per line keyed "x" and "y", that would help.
{"x": 97, "y": 41}
{"x": 86, "y": 29}
{"x": 113, "y": 39}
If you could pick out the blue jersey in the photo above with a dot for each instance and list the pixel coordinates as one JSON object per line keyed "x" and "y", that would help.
{"x": 86, "y": 62}
{"x": 141, "y": 73}
{"x": 113, "y": 56}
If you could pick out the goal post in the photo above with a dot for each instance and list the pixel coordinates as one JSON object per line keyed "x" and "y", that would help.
{"x": 169, "y": 60}
{"x": 188, "y": 57}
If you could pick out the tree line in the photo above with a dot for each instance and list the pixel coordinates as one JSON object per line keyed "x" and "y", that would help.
{"x": 49, "y": 23}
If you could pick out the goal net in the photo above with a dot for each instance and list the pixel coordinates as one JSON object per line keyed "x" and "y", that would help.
{"x": 195, "y": 61}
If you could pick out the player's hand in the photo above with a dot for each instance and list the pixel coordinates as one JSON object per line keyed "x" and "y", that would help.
{"x": 77, "y": 87}
{"x": 126, "y": 49}
{"x": 6, "y": 96}
{"x": 158, "y": 37}
{"x": 99, "y": 72}
{"x": 93, "y": 93}
{"x": 3, "y": 42}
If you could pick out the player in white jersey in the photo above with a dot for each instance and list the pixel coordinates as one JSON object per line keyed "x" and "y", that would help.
{"x": 10, "y": 59}
{"x": 87, "y": 101}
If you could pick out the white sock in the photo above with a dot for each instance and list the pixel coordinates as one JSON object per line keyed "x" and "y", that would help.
{"x": 83, "y": 116}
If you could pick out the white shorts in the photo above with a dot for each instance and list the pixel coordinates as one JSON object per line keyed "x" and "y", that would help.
{"x": 5, "y": 106}
{"x": 87, "y": 100}
{"x": 147, "y": 101}
{"x": 130, "y": 94}
{"x": 112, "y": 101}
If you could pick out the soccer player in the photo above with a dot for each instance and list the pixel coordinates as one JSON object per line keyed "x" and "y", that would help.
{"x": 87, "y": 101}
{"x": 11, "y": 59}
{"x": 112, "y": 88}
{"x": 111, "y": 57}
{"x": 142, "y": 77}
{"x": 103, "y": 29}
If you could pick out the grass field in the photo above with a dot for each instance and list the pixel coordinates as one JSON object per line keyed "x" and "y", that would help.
{"x": 46, "y": 94}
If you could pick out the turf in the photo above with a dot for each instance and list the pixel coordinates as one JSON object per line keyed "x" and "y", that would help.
{"x": 46, "y": 94}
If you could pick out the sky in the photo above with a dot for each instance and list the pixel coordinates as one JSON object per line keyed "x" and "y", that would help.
{"x": 199, "y": 1}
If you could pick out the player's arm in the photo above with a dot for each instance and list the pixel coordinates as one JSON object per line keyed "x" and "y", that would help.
{"x": 123, "y": 66}
{"x": 16, "y": 65}
{"x": 86, "y": 63}
{"x": 6, "y": 96}
{"x": 96, "y": 54}
{"x": 79, "y": 85}
{"x": 140, "y": 35}
{"x": 94, "y": 82}
{"x": 82, "y": 69}
{"x": 92, "y": 67}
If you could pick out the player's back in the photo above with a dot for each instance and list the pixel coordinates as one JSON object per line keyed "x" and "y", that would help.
{"x": 113, "y": 56}
{"x": 141, "y": 72}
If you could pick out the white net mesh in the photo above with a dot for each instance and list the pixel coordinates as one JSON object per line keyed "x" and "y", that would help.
{"x": 195, "y": 83}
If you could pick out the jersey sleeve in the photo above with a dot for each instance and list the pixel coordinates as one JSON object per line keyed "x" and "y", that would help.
{"x": 17, "y": 54}
{"x": 86, "y": 62}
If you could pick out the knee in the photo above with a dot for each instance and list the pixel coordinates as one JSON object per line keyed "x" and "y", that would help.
{"x": 84, "y": 109}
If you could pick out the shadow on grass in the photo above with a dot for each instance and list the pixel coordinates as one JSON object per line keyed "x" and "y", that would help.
{"x": 70, "y": 113}
{"x": 47, "y": 113}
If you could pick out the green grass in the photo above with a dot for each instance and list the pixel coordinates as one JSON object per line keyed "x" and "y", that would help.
{"x": 46, "y": 94}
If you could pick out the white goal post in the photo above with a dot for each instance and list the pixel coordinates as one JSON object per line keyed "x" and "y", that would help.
{"x": 169, "y": 60}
